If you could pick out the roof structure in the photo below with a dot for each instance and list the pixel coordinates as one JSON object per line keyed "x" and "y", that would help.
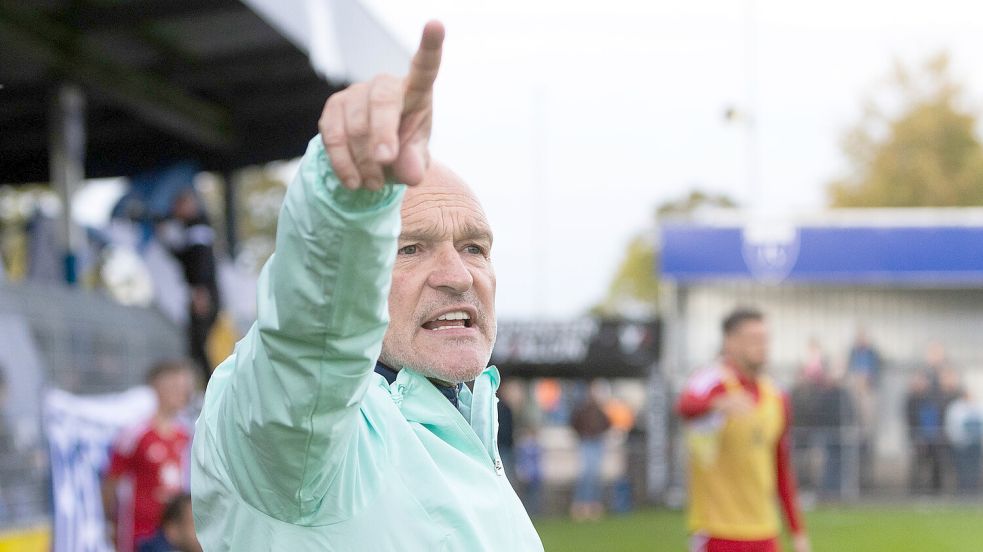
{"x": 162, "y": 80}
{"x": 903, "y": 247}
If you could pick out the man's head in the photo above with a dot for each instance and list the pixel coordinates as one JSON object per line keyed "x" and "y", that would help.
{"x": 935, "y": 356}
{"x": 746, "y": 339}
{"x": 185, "y": 206}
{"x": 178, "y": 524}
{"x": 173, "y": 382}
{"x": 442, "y": 302}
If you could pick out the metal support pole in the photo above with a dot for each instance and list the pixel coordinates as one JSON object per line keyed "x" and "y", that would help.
{"x": 67, "y": 166}
{"x": 231, "y": 214}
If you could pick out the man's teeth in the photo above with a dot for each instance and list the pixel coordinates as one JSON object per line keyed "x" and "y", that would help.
{"x": 458, "y": 315}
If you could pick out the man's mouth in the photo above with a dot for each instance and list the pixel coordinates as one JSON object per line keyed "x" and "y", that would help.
{"x": 448, "y": 321}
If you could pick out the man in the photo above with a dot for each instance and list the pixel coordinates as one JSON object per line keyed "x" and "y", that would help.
{"x": 334, "y": 426}
{"x": 190, "y": 238}
{"x": 737, "y": 431}
{"x": 591, "y": 424}
{"x": 177, "y": 529}
{"x": 148, "y": 462}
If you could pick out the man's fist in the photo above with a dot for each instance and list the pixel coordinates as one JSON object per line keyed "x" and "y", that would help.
{"x": 383, "y": 125}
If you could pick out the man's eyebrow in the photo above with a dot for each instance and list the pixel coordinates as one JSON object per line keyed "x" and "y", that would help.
{"x": 433, "y": 233}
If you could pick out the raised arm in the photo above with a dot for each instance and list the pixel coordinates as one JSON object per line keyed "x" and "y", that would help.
{"x": 282, "y": 410}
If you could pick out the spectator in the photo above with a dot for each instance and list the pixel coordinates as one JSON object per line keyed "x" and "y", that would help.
{"x": 177, "y": 529}
{"x": 930, "y": 393}
{"x": 806, "y": 398}
{"x": 964, "y": 429}
{"x": 864, "y": 361}
{"x": 529, "y": 470}
{"x": 591, "y": 424}
{"x": 835, "y": 414}
{"x": 191, "y": 239}
{"x": 622, "y": 422}
{"x": 506, "y": 437}
{"x": 152, "y": 458}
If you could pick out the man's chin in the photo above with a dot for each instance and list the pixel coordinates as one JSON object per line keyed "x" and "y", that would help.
{"x": 456, "y": 367}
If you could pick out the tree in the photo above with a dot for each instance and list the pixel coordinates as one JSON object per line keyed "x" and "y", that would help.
{"x": 634, "y": 290}
{"x": 928, "y": 154}
{"x": 635, "y": 286}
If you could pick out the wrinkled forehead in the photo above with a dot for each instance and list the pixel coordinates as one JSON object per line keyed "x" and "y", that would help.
{"x": 444, "y": 204}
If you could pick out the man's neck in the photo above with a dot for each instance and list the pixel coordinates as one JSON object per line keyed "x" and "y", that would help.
{"x": 742, "y": 371}
{"x": 164, "y": 421}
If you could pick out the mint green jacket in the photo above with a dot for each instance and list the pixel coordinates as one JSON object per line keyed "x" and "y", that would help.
{"x": 300, "y": 446}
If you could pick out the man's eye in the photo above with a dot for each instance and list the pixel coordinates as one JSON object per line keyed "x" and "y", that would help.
{"x": 475, "y": 249}
{"x": 407, "y": 250}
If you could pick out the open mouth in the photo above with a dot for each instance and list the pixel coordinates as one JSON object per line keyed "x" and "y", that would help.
{"x": 449, "y": 321}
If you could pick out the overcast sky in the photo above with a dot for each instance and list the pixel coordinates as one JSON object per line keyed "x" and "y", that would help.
{"x": 575, "y": 120}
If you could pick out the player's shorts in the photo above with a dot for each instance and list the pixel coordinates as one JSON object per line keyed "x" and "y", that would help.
{"x": 704, "y": 543}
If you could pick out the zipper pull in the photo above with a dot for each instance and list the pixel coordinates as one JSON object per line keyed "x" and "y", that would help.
{"x": 398, "y": 394}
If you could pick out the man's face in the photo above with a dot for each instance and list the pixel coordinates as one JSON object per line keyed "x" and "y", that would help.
{"x": 442, "y": 301}
{"x": 748, "y": 345}
{"x": 174, "y": 389}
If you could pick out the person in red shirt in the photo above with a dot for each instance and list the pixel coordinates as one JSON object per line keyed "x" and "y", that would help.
{"x": 148, "y": 461}
{"x": 737, "y": 424}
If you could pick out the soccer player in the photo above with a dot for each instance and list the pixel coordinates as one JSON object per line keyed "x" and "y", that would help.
{"x": 148, "y": 462}
{"x": 341, "y": 421}
{"x": 737, "y": 425}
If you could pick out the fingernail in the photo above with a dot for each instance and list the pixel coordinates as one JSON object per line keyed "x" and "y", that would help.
{"x": 373, "y": 184}
{"x": 351, "y": 183}
{"x": 382, "y": 152}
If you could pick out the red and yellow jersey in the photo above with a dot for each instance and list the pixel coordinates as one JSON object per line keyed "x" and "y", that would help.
{"x": 738, "y": 466}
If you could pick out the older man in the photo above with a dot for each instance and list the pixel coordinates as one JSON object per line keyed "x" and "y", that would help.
{"x": 337, "y": 426}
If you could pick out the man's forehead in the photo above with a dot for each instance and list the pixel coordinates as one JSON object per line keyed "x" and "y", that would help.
{"x": 443, "y": 201}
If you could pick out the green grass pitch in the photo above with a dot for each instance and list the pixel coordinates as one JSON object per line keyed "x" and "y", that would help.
{"x": 847, "y": 529}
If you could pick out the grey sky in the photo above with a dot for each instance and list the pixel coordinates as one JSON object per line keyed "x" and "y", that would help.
{"x": 574, "y": 120}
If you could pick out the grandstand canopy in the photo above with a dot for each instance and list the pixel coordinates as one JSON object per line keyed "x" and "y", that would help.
{"x": 162, "y": 80}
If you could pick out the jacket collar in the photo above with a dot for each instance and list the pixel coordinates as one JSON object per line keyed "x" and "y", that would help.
{"x": 451, "y": 392}
{"x": 472, "y": 426}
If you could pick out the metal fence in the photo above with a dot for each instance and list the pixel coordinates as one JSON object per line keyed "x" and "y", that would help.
{"x": 57, "y": 337}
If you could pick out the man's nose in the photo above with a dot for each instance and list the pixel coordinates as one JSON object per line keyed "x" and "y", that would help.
{"x": 449, "y": 272}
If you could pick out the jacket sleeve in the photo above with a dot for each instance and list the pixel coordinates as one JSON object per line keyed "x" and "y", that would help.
{"x": 286, "y": 404}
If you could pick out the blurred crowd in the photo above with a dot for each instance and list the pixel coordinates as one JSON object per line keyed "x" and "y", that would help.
{"x": 573, "y": 445}
{"x": 840, "y": 406}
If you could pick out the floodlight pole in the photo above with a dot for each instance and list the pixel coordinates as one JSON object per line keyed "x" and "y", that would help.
{"x": 754, "y": 185}
{"x": 67, "y": 166}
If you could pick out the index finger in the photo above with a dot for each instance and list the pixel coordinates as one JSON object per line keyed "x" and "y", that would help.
{"x": 426, "y": 61}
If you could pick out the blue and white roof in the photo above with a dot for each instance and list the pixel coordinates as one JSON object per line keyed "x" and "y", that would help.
{"x": 918, "y": 247}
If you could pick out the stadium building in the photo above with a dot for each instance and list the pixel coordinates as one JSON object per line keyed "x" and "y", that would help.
{"x": 906, "y": 277}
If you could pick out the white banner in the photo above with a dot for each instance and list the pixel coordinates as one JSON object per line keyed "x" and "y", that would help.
{"x": 80, "y": 430}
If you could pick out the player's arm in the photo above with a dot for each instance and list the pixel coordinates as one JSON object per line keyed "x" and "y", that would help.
{"x": 282, "y": 411}
{"x": 787, "y": 488}
{"x": 694, "y": 402}
{"x": 706, "y": 393}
